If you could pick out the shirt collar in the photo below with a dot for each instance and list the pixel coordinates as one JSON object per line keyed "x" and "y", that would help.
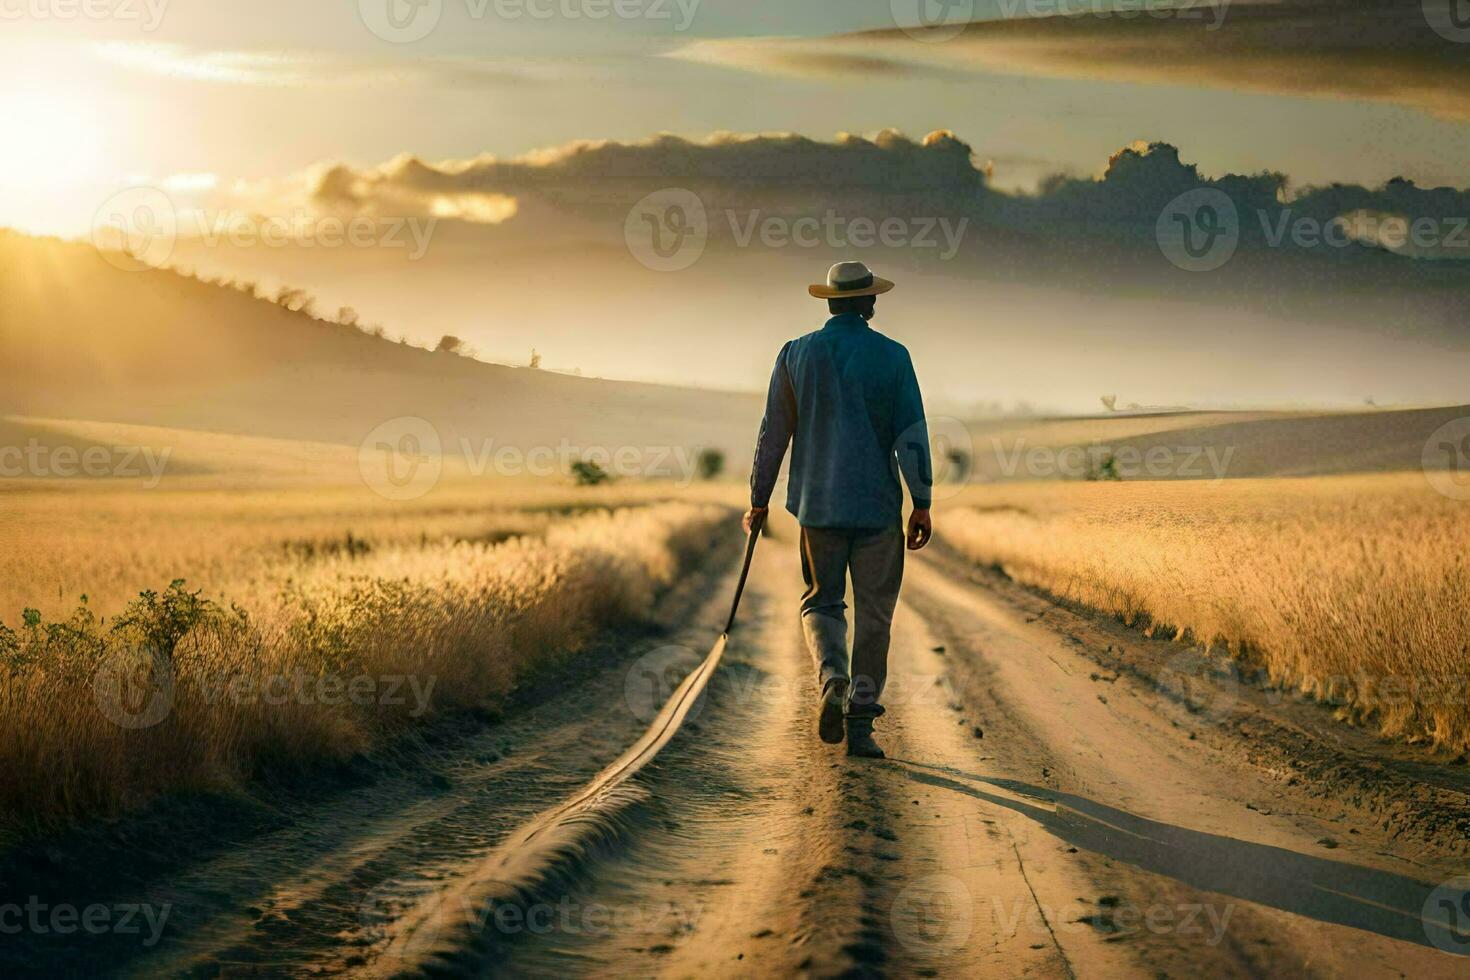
{"x": 846, "y": 320}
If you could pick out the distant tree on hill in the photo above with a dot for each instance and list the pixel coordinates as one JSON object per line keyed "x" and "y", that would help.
{"x": 959, "y": 465}
{"x": 535, "y": 358}
{"x": 347, "y": 316}
{"x": 1104, "y": 470}
{"x": 450, "y": 344}
{"x": 296, "y": 300}
{"x": 1110, "y": 402}
{"x": 589, "y": 474}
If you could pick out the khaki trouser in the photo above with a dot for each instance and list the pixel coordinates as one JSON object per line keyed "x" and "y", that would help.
{"x": 874, "y": 557}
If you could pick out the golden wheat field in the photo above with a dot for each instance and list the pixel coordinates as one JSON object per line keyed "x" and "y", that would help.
{"x": 289, "y": 627}
{"x": 110, "y": 541}
{"x": 1353, "y": 590}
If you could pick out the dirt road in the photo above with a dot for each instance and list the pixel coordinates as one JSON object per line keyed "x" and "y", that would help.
{"x": 1050, "y": 807}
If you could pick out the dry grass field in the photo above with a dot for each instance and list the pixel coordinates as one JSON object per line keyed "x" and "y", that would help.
{"x": 111, "y": 540}
{"x": 1352, "y": 590}
{"x": 310, "y": 622}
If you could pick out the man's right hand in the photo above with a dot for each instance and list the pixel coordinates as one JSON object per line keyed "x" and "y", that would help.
{"x": 751, "y": 516}
{"x": 921, "y": 529}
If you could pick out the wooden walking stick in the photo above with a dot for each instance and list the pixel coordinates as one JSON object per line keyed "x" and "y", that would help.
{"x": 750, "y": 540}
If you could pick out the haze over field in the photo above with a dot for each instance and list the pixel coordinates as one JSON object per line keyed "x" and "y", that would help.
{"x": 217, "y": 381}
{"x": 1028, "y": 243}
{"x": 987, "y": 278}
{"x": 84, "y": 340}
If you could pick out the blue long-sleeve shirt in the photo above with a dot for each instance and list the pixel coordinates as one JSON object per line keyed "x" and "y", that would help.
{"x": 847, "y": 399}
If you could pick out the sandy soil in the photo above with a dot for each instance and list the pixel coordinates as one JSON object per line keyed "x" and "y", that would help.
{"x": 1049, "y": 807}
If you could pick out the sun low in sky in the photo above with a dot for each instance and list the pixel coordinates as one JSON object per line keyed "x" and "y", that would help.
{"x": 467, "y": 113}
{"x": 260, "y": 89}
{"x": 55, "y": 148}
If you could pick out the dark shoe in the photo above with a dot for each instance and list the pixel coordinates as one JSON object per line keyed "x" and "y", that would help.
{"x": 860, "y": 739}
{"x": 829, "y": 723}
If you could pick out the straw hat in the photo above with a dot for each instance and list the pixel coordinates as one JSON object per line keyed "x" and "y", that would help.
{"x": 849, "y": 279}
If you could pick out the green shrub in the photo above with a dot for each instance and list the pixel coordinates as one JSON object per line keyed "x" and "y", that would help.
{"x": 589, "y": 474}
{"x": 711, "y": 463}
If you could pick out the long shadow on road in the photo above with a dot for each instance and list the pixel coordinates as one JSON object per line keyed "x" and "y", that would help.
{"x": 1328, "y": 891}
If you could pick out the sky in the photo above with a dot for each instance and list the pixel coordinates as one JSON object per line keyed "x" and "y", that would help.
{"x": 263, "y": 88}
{"x": 241, "y": 98}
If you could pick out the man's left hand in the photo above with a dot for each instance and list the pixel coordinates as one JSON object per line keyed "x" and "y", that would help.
{"x": 921, "y": 529}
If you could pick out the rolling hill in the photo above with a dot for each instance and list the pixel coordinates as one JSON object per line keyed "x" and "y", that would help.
{"x": 81, "y": 339}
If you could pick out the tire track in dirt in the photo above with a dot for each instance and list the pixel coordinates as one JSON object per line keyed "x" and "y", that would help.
{"x": 1150, "y": 820}
{"x": 962, "y": 897}
{"x": 1031, "y": 820}
{"x": 318, "y": 896}
{"x": 447, "y": 929}
{"x": 741, "y": 868}
{"x": 767, "y": 852}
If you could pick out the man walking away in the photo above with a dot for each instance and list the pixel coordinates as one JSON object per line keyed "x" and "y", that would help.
{"x": 848, "y": 397}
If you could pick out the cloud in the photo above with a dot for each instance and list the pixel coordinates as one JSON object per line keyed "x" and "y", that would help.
{"x": 809, "y": 58}
{"x": 1359, "y": 50}
{"x": 788, "y": 173}
{"x": 603, "y": 178}
{"x": 586, "y": 190}
{"x": 1074, "y": 269}
{"x": 288, "y": 68}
